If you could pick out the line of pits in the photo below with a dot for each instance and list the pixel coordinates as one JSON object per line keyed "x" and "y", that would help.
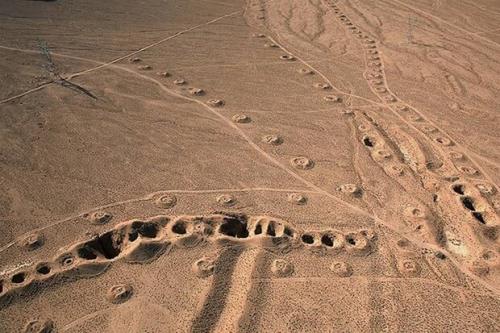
{"x": 426, "y": 128}
{"x": 373, "y": 56}
{"x": 476, "y": 209}
{"x": 160, "y": 232}
{"x": 379, "y": 154}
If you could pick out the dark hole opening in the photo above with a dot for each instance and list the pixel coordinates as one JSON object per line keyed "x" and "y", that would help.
{"x": 478, "y": 216}
{"x": 458, "y": 188}
{"x": 179, "y": 228}
{"x": 1, "y": 286}
{"x": 108, "y": 244}
{"x": 440, "y": 255}
{"x": 327, "y": 240}
{"x": 287, "y": 231}
{"x": 308, "y": 239}
{"x": 19, "y": 277}
{"x": 234, "y": 227}
{"x": 258, "y": 229}
{"x": 367, "y": 141}
{"x": 468, "y": 203}
{"x": 43, "y": 269}
{"x": 146, "y": 229}
{"x": 132, "y": 236}
{"x": 351, "y": 240}
{"x": 271, "y": 230}
{"x": 86, "y": 252}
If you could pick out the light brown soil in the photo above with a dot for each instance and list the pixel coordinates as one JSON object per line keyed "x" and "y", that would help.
{"x": 258, "y": 166}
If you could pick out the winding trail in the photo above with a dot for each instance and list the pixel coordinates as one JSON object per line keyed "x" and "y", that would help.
{"x": 317, "y": 189}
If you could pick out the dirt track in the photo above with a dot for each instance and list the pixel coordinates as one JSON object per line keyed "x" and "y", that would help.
{"x": 273, "y": 166}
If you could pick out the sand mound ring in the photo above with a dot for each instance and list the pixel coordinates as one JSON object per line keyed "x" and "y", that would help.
{"x": 166, "y": 201}
{"x": 333, "y": 98}
{"x": 272, "y": 139}
{"x": 302, "y": 163}
{"x": 287, "y": 57}
{"x": 32, "y": 241}
{"x": 215, "y": 102}
{"x": 179, "y": 82}
{"x": 468, "y": 170}
{"x": 281, "y": 268}
{"x": 351, "y": 189}
{"x": 486, "y": 189}
{"x": 99, "y": 217}
{"x": 357, "y": 244}
{"x": 203, "y": 267}
{"x": 297, "y": 198}
{"x": 270, "y": 45}
{"x": 196, "y": 91}
{"x": 119, "y": 293}
{"x": 163, "y": 74}
{"x": 408, "y": 267}
{"x": 341, "y": 269}
{"x": 241, "y": 119}
{"x": 305, "y": 71}
{"x": 321, "y": 85}
{"x": 39, "y": 326}
{"x": 226, "y": 200}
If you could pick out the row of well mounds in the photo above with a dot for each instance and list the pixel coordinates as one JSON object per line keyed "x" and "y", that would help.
{"x": 361, "y": 242}
{"x": 375, "y": 69}
{"x": 141, "y": 241}
{"x": 469, "y": 201}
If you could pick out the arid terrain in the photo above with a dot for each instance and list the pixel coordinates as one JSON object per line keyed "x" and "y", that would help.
{"x": 250, "y": 166}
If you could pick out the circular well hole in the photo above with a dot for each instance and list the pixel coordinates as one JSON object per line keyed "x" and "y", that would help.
{"x": 308, "y": 239}
{"x": 179, "y": 228}
{"x": 19, "y": 277}
{"x": 43, "y": 269}
{"x": 327, "y": 240}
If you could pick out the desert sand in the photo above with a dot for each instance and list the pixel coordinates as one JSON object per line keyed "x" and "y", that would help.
{"x": 250, "y": 166}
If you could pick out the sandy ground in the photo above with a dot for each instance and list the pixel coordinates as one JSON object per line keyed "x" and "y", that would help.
{"x": 258, "y": 166}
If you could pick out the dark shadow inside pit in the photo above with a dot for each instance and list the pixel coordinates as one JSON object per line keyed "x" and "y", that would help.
{"x": 179, "y": 228}
{"x": 271, "y": 230}
{"x": 85, "y": 252}
{"x": 468, "y": 203}
{"x": 289, "y": 232}
{"x": 367, "y": 141}
{"x": 458, "y": 188}
{"x": 351, "y": 240}
{"x": 108, "y": 244}
{"x": 479, "y": 216}
{"x": 327, "y": 240}
{"x": 43, "y": 269}
{"x": 18, "y": 278}
{"x": 234, "y": 227}
{"x": 308, "y": 239}
{"x": 146, "y": 229}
